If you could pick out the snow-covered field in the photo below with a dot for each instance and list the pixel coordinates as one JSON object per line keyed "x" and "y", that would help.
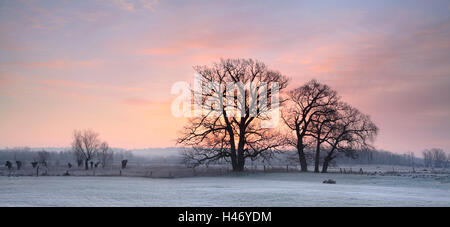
{"x": 270, "y": 189}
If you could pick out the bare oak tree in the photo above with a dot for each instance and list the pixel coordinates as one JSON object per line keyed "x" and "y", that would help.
{"x": 350, "y": 130}
{"x": 305, "y": 105}
{"x": 230, "y": 127}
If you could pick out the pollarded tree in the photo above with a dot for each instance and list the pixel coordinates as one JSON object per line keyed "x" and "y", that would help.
{"x": 237, "y": 99}
{"x": 349, "y": 132}
{"x": 306, "y": 104}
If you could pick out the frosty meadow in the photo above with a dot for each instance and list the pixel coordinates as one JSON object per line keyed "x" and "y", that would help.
{"x": 253, "y": 190}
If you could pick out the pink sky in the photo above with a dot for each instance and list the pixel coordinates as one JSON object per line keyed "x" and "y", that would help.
{"x": 109, "y": 65}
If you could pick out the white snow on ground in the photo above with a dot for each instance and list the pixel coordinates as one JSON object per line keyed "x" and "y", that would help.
{"x": 272, "y": 189}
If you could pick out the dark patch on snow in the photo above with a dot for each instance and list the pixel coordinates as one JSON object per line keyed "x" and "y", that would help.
{"x": 329, "y": 181}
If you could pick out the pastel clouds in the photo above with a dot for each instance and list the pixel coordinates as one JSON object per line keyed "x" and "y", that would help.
{"x": 6, "y": 80}
{"x": 109, "y": 65}
{"x": 159, "y": 51}
{"x": 55, "y": 64}
{"x": 79, "y": 85}
{"x": 131, "y": 5}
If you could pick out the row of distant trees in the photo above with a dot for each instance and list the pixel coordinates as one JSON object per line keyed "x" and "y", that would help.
{"x": 363, "y": 157}
{"x": 21, "y": 156}
{"x": 314, "y": 117}
{"x": 436, "y": 158}
{"x": 51, "y": 157}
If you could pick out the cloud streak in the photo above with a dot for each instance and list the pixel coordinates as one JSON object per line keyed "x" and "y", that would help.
{"x": 132, "y": 5}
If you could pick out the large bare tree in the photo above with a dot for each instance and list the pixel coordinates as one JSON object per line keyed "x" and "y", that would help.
{"x": 349, "y": 130}
{"x": 230, "y": 127}
{"x": 306, "y": 104}
{"x": 86, "y": 145}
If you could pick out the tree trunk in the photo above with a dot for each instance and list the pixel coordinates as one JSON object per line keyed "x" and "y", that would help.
{"x": 240, "y": 152}
{"x": 301, "y": 156}
{"x": 237, "y": 161}
{"x": 86, "y": 164}
{"x": 233, "y": 159}
{"x": 317, "y": 159}
{"x": 325, "y": 166}
{"x": 240, "y": 161}
{"x": 327, "y": 160}
{"x": 233, "y": 156}
{"x": 240, "y": 167}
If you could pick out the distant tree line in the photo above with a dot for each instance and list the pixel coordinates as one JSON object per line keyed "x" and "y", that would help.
{"x": 379, "y": 157}
{"x": 436, "y": 158}
{"x": 360, "y": 157}
{"x": 28, "y": 157}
